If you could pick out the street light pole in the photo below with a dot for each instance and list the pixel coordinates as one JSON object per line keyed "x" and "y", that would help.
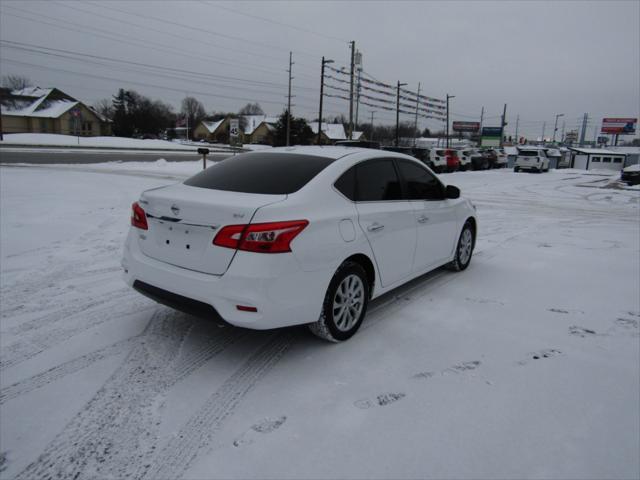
{"x": 398, "y": 113}
{"x": 324, "y": 62}
{"x": 555, "y": 127}
{"x": 447, "y": 128}
{"x": 372, "y": 112}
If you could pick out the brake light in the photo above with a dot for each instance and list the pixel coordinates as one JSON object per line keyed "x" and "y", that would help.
{"x": 272, "y": 237}
{"x": 138, "y": 217}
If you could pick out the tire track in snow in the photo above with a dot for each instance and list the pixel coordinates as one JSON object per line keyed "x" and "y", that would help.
{"x": 196, "y": 434}
{"x": 29, "y": 347}
{"x": 115, "y": 433}
{"x": 67, "y": 368}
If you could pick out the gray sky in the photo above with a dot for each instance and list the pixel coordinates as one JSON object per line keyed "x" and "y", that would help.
{"x": 541, "y": 58}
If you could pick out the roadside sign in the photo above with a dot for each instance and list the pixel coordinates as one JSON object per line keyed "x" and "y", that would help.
{"x": 234, "y": 128}
{"x": 466, "y": 126}
{"x": 491, "y": 136}
{"x": 619, "y": 126}
{"x": 571, "y": 136}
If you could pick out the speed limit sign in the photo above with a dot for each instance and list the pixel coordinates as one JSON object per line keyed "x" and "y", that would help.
{"x": 234, "y": 127}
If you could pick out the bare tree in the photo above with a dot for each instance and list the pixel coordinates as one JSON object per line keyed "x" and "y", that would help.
{"x": 193, "y": 109}
{"x": 251, "y": 109}
{"x": 16, "y": 82}
{"x": 105, "y": 108}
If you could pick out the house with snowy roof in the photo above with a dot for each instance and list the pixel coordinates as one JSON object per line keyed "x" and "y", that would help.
{"x": 331, "y": 132}
{"x": 49, "y": 110}
{"x": 253, "y": 129}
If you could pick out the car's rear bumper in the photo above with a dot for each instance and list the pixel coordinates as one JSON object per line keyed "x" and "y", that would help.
{"x": 275, "y": 284}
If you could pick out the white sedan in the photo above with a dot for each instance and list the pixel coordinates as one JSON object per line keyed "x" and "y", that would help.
{"x": 302, "y": 235}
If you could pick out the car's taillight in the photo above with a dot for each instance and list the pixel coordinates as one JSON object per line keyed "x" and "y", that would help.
{"x": 272, "y": 237}
{"x": 138, "y": 217}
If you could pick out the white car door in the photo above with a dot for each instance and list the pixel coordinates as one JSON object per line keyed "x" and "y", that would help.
{"x": 435, "y": 215}
{"x": 386, "y": 219}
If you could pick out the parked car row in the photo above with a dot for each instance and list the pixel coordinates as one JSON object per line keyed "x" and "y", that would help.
{"x": 444, "y": 160}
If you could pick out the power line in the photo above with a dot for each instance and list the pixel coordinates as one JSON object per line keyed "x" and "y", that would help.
{"x": 220, "y": 7}
{"x": 199, "y": 29}
{"x": 135, "y": 41}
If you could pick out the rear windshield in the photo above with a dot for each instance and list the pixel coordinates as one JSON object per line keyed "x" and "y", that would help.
{"x": 263, "y": 173}
{"x": 528, "y": 153}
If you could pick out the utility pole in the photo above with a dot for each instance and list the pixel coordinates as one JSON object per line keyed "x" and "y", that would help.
{"x": 447, "y": 128}
{"x": 481, "y": 119}
{"x": 372, "y": 112}
{"x": 415, "y": 122}
{"x": 353, "y": 58}
{"x": 503, "y": 123}
{"x": 1, "y": 134}
{"x": 357, "y": 100}
{"x": 562, "y": 137}
{"x": 544, "y": 124}
{"x": 555, "y": 127}
{"x": 289, "y": 102}
{"x": 358, "y": 64}
{"x": 517, "y": 125}
{"x": 324, "y": 62}
{"x": 398, "y": 113}
{"x": 583, "y": 133}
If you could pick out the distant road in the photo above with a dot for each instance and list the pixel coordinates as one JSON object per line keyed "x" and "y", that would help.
{"x": 62, "y": 155}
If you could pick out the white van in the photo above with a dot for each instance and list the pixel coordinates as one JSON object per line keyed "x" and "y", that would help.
{"x": 532, "y": 158}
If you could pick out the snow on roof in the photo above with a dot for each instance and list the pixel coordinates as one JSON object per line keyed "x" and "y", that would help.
{"x": 356, "y": 135}
{"x": 251, "y": 122}
{"x": 34, "y": 92}
{"x": 334, "y": 131}
{"x": 595, "y": 151}
{"x": 212, "y": 126}
{"x": 42, "y": 108}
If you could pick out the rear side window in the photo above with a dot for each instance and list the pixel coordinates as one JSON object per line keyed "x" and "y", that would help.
{"x": 421, "y": 185}
{"x": 262, "y": 173}
{"x": 377, "y": 180}
{"x": 346, "y": 184}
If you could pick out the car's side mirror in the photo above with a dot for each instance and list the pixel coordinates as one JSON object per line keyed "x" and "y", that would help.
{"x": 452, "y": 192}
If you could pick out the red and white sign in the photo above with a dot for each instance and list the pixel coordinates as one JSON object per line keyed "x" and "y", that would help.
{"x": 619, "y": 126}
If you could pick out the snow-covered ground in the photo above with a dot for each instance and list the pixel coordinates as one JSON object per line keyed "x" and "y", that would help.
{"x": 525, "y": 365}
{"x": 54, "y": 140}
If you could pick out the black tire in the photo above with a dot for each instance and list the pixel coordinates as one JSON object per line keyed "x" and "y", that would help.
{"x": 325, "y": 327}
{"x": 459, "y": 263}
{"x": 516, "y": 169}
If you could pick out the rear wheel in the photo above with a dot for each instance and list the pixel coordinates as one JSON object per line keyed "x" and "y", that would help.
{"x": 464, "y": 249}
{"x": 345, "y": 304}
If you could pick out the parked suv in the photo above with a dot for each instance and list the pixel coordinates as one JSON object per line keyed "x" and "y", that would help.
{"x": 532, "y": 158}
{"x": 479, "y": 160}
{"x": 445, "y": 160}
{"x": 466, "y": 154}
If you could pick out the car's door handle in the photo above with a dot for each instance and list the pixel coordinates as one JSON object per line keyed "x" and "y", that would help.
{"x": 374, "y": 227}
{"x": 423, "y": 219}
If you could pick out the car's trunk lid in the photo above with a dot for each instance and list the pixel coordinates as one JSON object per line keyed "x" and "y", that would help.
{"x": 184, "y": 220}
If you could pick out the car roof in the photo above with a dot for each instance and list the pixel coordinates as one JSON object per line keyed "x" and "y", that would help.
{"x": 326, "y": 151}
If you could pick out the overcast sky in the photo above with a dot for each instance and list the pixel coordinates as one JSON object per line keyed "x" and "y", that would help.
{"x": 542, "y": 58}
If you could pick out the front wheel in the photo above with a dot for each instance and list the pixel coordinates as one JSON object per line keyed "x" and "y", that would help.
{"x": 345, "y": 304}
{"x": 464, "y": 249}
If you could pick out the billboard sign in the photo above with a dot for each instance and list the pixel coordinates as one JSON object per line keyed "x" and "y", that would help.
{"x": 619, "y": 126}
{"x": 466, "y": 127}
{"x": 571, "y": 136}
{"x": 492, "y": 132}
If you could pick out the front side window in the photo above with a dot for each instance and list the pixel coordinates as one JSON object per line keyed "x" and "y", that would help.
{"x": 420, "y": 184}
{"x": 377, "y": 181}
